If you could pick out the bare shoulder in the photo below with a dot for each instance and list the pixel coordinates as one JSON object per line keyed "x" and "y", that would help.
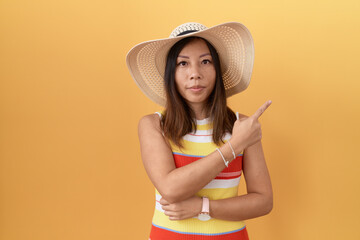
{"x": 150, "y": 121}
{"x": 153, "y": 145}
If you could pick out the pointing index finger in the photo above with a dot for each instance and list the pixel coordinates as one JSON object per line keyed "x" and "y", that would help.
{"x": 262, "y": 109}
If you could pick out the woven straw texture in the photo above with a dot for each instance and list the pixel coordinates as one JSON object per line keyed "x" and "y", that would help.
{"x": 233, "y": 42}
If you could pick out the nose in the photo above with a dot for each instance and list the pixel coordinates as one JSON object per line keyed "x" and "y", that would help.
{"x": 195, "y": 72}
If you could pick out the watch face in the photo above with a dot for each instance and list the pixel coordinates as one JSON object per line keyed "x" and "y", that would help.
{"x": 204, "y": 217}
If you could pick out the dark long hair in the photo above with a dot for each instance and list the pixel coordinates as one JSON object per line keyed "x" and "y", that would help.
{"x": 179, "y": 118}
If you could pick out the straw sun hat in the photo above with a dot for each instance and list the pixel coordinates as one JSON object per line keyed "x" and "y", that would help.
{"x": 233, "y": 42}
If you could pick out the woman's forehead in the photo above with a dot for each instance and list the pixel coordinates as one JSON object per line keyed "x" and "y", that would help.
{"x": 196, "y": 47}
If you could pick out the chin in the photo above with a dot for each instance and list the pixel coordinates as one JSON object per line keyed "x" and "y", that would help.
{"x": 201, "y": 99}
{"x": 195, "y": 101}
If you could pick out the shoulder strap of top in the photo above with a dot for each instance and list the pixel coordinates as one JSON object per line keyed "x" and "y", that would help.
{"x": 237, "y": 115}
{"x": 160, "y": 116}
{"x": 158, "y": 113}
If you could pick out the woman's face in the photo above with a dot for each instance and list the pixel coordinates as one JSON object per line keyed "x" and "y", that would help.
{"x": 195, "y": 73}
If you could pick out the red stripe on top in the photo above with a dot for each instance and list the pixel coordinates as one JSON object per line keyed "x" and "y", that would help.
{"x": 234, "y": 166}
{"x": 235, "y": 175}
{"x": 163, "y": 234}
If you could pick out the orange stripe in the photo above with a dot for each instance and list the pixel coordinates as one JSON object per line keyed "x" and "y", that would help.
{"x": 234, "y": 166}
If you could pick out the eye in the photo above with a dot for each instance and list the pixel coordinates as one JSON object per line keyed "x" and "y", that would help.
{"x": 206, "y": 61}
{"x": 182, "y": 63}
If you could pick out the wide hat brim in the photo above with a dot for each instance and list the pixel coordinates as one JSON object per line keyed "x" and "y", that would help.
{"x": 233, "y": 42}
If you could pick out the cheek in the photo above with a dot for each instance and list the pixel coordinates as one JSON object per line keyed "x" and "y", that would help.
{"x": 179, "y": 79}
{"x": 177, "y": 82}
{"x": 212, "y": 77}
{"x": 178, "y": 85}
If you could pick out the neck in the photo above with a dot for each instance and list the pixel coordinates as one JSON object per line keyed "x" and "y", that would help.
{"x": 199, "y": 111}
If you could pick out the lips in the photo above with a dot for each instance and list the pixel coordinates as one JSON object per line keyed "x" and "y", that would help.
{"x": 196, "y": 88}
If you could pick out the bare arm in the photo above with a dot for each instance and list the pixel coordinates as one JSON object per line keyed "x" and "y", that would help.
{"x": 175, "y": 184}
{"x": 257, "y": 202}
{"x": 259, "y": 198}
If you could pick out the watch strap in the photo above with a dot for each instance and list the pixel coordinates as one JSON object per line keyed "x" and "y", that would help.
{"x": 205, "y": 205}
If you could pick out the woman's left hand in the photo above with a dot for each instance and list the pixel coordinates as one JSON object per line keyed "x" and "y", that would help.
{"x": 188, "y": 208}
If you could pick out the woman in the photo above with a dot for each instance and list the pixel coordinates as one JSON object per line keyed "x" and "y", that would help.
{"x": 195, "y": 150}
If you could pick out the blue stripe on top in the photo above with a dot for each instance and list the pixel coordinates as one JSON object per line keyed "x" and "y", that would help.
{"x": 204, "y": 234}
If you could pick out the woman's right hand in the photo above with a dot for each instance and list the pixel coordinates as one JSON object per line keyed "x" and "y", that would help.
{"x": 247, "y": 130}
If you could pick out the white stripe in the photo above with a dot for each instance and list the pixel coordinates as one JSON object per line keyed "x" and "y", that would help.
{"x": 215, "y": 183}
{"x": 158, "y": 207}
{"x": 203, "y": 132}
{"x": 158, "y": 197}
{"x": 203, "y": 139}
{"x": 199, "y": 139}
{"x": 223, "y": 183}
{"x": 204, "y": 121}
{"x": 157, "y": 204}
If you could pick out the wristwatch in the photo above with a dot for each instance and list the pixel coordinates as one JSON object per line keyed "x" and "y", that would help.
{"x": 204, "y": 215}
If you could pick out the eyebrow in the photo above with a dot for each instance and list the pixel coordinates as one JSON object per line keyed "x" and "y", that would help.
{"x": 202, "y": 55}
{"x": 205, "y": 54}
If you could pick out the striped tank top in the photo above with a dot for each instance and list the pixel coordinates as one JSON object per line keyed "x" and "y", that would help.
{"x": 197, "y": 145}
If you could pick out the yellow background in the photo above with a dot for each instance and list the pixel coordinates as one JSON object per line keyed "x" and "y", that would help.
{"x": 70, "y": 165}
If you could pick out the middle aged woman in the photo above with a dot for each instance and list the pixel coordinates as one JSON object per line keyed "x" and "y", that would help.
{"x": 195, "y": 151}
